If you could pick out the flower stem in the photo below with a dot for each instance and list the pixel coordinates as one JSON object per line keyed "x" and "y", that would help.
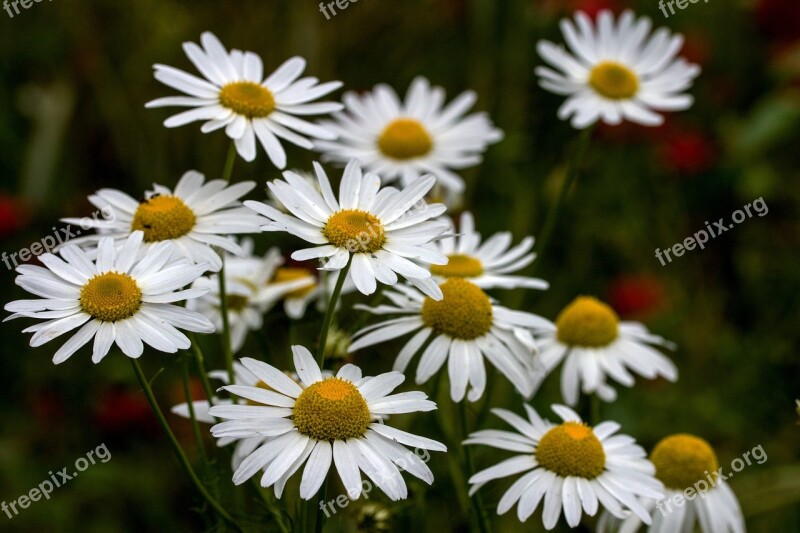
{"x": 223, "y": 298}
{"x": 195, "y": 426}
{"x": 227, "y": 171}
{"x": 274, "y": 506}
{"x": 176, "y": 447}
{"x": 594, "y": 410}
{"x": 305, "y": 508}
{"x": 484, "y": 524}
{"x": 329, "y": 312}
{"x": 201, "y": 368}
{"x": 573, "y": 165}
{"x": 226, "y": 326}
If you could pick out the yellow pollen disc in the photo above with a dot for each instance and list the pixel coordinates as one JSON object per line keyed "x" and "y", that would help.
{"x": 571, "y": 449}
{"x": 405, "y": 138}
{"x": 459, "y": 266}
{"x": 247, "y": 98}
{"x": 285, "y": 274}
{"x": 331, "y": 409}
{"x": 682, "y": 460}
{"x": 464, "y": 313}
{"x": 587, "y": 322}
{"x": 355, "y": 230}
{"x": 163, "y": 218}
{"x": 111, "y": 296}
{"x": 614, "y": 81}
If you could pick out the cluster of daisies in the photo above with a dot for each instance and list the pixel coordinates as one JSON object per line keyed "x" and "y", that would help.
{"x": 175, "y": 262}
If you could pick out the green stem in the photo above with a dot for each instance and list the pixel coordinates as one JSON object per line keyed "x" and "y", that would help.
{"x": 329, "y": 312}
{"x": 227, "y": 171}
{"x": 573, "y": 165}
{"x": 223, "y": 298}
{"x": 487, "y": 395}
{"x": 195, "y": 426}
{"x": 176, "y": 447}
{"x": 484, "y": 524}
{"x": 226, "y": 326}
{"x": 594, "y": 408}
{"x": 277, "y": 512}
{"x": 201, "y": 368}
{"x": 306, "y": 510}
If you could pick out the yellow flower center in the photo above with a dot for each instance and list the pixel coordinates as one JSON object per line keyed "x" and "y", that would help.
{"x": 459, "y": 266}
{"x": 405, "y": 138}
{"x": 331, "y": 409}
{"x": 286, "y": 274}
{"x": 237, "y": 302}
{"x": 464, "y": 313}
{"x": 355, "y": 230}
{"x": 682, "y": 460}
{"x": 247, "y": 98}
{"x": 163, "y": 218}
{"x": 111, "y": 296}
{"x": 614, "y": 81}
{"x": 587, "y": 322}
{"x": 571, "y": 449}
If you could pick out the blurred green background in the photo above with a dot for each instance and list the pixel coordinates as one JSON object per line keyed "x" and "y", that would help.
{"x": 77, "y": 75}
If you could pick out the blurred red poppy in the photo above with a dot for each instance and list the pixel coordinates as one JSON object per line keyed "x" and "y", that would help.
{"x": 687, "y": 150}
{"x": 593, "y": 7}
{"x": 14, "y": 214}
{"x": 121, "y": 410}
{"x": 637, "y": 295}
{"x": 779, "y": 20}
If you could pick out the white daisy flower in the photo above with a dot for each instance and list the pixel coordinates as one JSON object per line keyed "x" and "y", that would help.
{"x": 121, "y": 297}
{"x": 570, "y": 466}
{"x": 234, "y": 95}
{"x": 195, "y": 217}
{"x": 384, "y": 232}
{"x": 488, "y": 265}
{"x": 316, "y": 288}
{"x": 589, "y": 337}
{"x": 684, "y": 462}
{"x": 248, "y": 294}
{"x": 309, "y": 177}
{"x": 616, "y": 71}
{"x": 322, "y": 421}
{"x": 404, "y": 140}
{"x": 295, "y": 301}
{"x": 462, "y": 328}
{"x": 241, "y": 376}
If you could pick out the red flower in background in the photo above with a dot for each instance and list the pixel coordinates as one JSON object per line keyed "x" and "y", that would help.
{"x": 564, "y": 8}
{"x": 687, "y": 150}
{"x": 625, "y": 132}
{"x": 124, "y": 410}
{"x": 47, "y": 407}
{"x": 637, "y": 295}
{"x": 779, "y": 20}
{"x": 593, "y": 7}
{"x": 14, "y": 214}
